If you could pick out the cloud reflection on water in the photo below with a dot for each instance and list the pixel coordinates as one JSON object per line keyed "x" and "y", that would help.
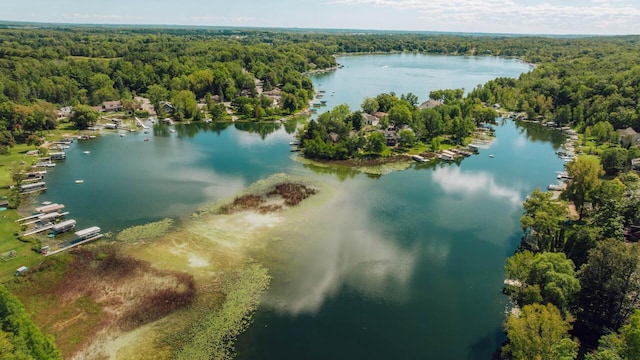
{"x": 343, "y": 246}
{"x": 482, "y": 205}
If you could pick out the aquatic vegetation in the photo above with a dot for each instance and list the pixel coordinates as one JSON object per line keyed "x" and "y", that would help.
{"x": 260, "y": 196}
{"x": 214, "y": 335}
{"x": 145, "y": 232}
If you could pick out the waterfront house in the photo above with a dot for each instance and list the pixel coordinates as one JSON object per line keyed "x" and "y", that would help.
{"x": 111, "y": 106}
{"x": 332, "y": 137}
{"x": 430, "y": 104}
{"x": 167, "y": 107}
{"x": 629, "y": 137}
{"x": 64, "y": 112}
{"x": 379, "y": 114}
{"x": 370, "y": 120}
{"x": 391, "y": 138}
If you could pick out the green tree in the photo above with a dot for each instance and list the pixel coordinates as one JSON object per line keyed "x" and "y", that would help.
{"x": 386, "y": 101}
{"x": 609, "y": 348}
{"x": 630, "y": 334}
{"x": 406, "y": 138}
{"x": 400, "y": 115}
{"x": 608, "y": 202}
{"x": 543, "y": 277}
{"x": 370, "y": 105}
{"x": 433, "y": 124}
{"x": 26, "y": 340}
{"x": 541, "y": 221}
{"x": 539, "y": 333}
{"x": 483, "y": 114}
{"x": 34, "y": 140}
{"x": 610, "y": 286}
{"x": 156, "y": 94}
{"x": 185, "y": 105}
{"x": 614, "y": 160}
{"x": 84, "y": 116}
{"x": 376, "y": 143}
{"x": 603, "y": 132}
{"x": 584, "y": 175}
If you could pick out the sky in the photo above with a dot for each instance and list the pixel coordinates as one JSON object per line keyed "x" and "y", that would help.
{"x": 597, "y": 17}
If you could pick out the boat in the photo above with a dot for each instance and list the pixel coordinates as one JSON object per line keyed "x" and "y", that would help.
{"x": 122, "y": 135}
{"x": 419, "y": 158}
{"x": 79, "y": 181}
{"x": 492, "y": 156}
{"x": 555, "y": 187}
{"x": 294, "y": 142}
{"x": 146, "y": 139}
{"x": 86, "y": 152}
{"x": 323, "y": 102}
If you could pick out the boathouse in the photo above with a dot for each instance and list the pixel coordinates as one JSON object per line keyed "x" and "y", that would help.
{"x": 88, "y": 232}
{"x": 31, "y": 188}
{"x": 63, "y": 227}
{"x": 49, "y": 208}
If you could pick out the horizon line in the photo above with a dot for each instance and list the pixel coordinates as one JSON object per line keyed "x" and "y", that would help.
{"x": 294, "y": 28}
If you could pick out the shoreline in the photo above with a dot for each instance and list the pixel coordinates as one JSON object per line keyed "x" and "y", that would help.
{"x": 211, "y": 246}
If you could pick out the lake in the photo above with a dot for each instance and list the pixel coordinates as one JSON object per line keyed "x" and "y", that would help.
{"x": 406, "y": 265}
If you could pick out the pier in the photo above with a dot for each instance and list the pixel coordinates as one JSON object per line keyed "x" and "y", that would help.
{"x": 38, "y": 229}
{"x": 43, "y": 218}
{"x": 73, "y": 244}
{"x": 139, "y": 123}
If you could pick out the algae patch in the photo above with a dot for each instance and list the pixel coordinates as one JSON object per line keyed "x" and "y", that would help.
{"x": 214, "y": 334}
{"x": 145, "y": 232}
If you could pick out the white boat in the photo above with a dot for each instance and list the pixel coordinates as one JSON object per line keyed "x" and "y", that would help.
{"x": 86, "y": 152}
{"x": 172, "y": 130}
{"x": 79, "y": 181}
{"x": 492, "y": 156}
{"x": 555, "y": 187}
{"x": 419, "y": 158}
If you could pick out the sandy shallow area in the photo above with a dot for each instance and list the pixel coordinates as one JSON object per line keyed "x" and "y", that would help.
{"x": 207, "y": 246}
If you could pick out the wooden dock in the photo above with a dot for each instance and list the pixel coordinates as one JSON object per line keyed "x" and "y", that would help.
{"x": 38, "y": 230}
{"x": 96, "y": 237}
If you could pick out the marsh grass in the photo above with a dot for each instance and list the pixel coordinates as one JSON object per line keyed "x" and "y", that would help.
{"x": 145, "y": 232}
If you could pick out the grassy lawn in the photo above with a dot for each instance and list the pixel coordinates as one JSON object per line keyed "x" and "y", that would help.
{"x": 8, "y": 227}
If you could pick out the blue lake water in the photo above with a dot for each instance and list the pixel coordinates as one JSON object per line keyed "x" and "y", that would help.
{"x": 407, "y": 265}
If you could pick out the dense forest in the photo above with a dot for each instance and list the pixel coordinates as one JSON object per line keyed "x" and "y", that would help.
{"x": 576, "y": 282}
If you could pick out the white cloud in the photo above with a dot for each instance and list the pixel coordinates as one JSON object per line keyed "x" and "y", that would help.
{"x": 454, "y": 180}
{"x": 597, "y": 16}
{"x": 344, "y": 246}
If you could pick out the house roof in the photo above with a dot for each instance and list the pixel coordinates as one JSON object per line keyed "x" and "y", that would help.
{"x": 430, "y": 104}
{"x": 369, "y": 118}
{"x": 628, "y": 132}
{"x": 110, "y": 105}
{"x": 379, "y": 114}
